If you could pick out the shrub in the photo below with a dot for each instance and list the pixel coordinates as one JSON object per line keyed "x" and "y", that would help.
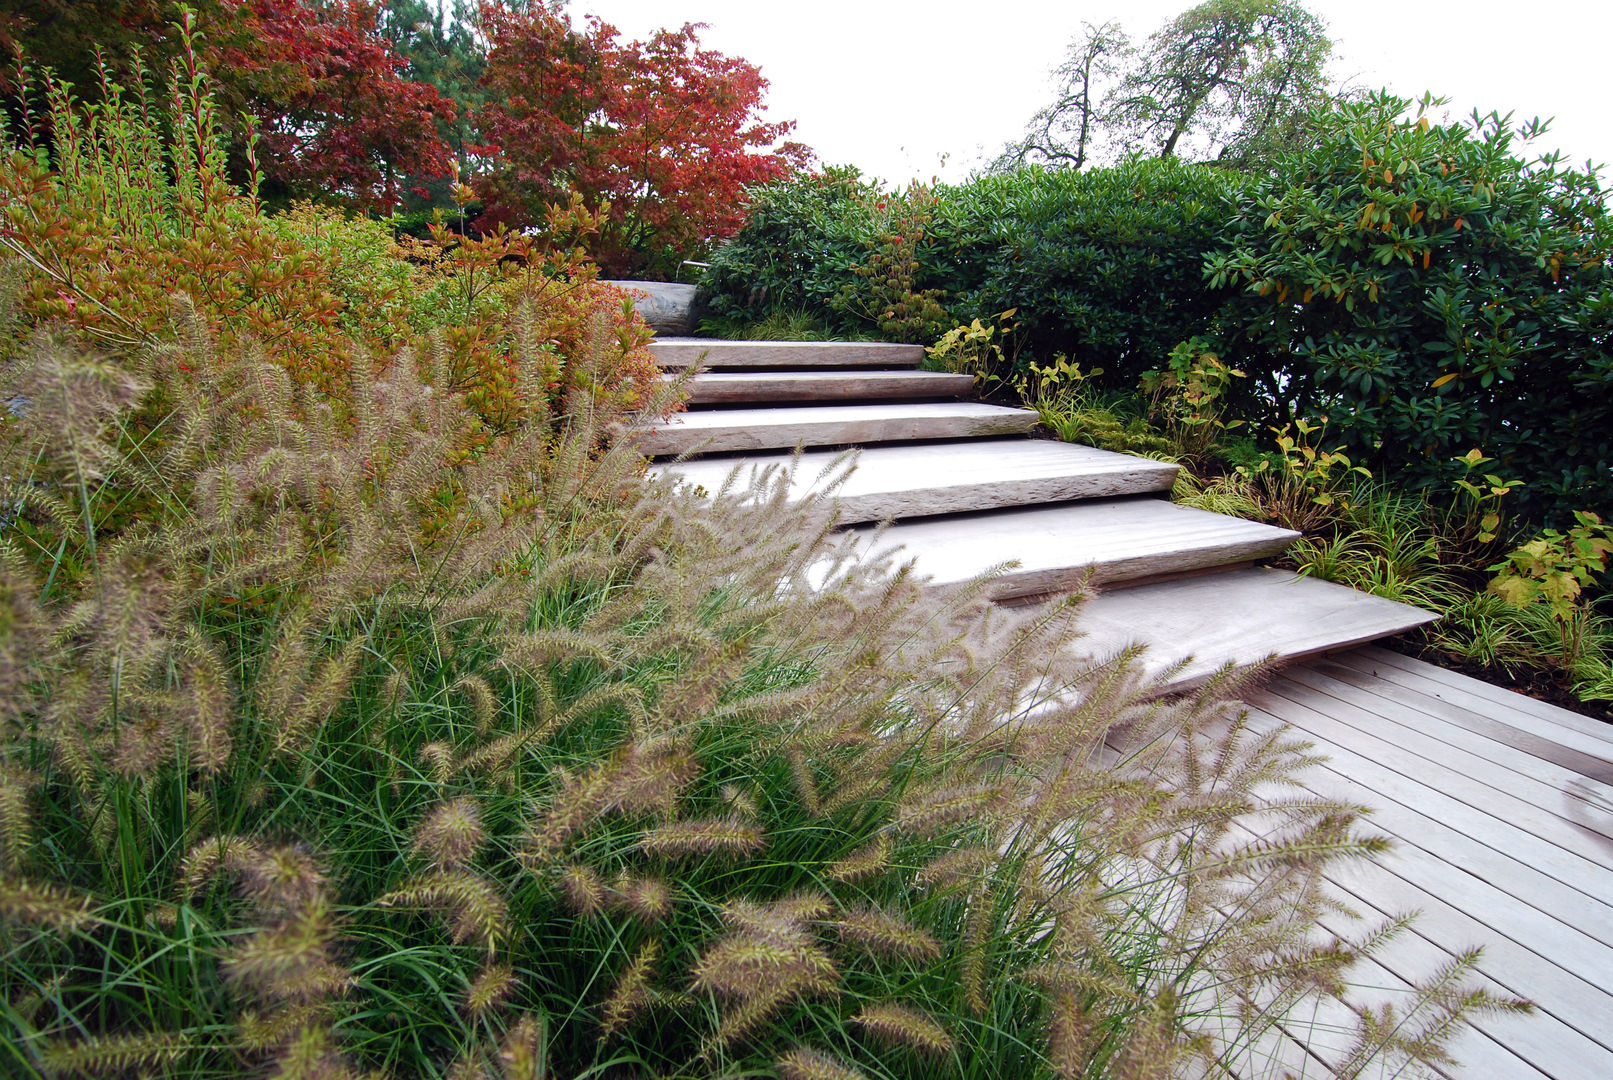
{"x": 1432, "y": 291}
{"x": 138, "y": 211}
{"x": 796, "y": 250}
{"x": 1105, "y": 266}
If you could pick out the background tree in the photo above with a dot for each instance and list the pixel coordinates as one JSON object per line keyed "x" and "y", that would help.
{"x": 1223, "y": 80}
{"x": 668, "y": 134}
{"x": 443, "y": 46}
{"x": 338, "y": 114}
{"x": 1063, "y": 132}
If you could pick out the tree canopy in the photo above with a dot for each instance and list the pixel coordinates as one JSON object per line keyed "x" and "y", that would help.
{"x": 1227, "y": 80}
{"x": 374, "y": 103}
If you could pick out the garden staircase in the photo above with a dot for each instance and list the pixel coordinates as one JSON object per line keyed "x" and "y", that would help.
{"x": 969, "y": 489}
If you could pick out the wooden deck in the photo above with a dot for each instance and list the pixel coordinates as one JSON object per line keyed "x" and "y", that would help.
{"x": 1502, "y": 812}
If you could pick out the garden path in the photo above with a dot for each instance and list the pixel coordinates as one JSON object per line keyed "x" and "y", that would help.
{"x": 1502, "y": 807}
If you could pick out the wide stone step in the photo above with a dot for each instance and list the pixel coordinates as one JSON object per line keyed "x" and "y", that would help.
{"x": 681, "y": 352}
{"x": 745, "y": 387}
{"x": 1115, "y": 541}
{"x": 948, "y": 478}
{"x": 1240, "y": 617}
{"x": 830, "y": 425}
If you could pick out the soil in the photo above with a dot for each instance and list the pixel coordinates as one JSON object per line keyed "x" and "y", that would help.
{"x": 1544, "y": 686}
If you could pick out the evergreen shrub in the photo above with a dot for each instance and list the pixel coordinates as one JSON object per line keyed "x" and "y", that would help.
{"x": 1432, "y": 289}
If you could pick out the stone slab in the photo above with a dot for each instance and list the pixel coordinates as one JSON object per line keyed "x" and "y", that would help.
{"x": 830, "y": 425}
{"x": 681, "y": 352}
{"x": 1056, "y": 547}
{"x": 760, "y": 387}
{"x": 666, "y": 305}
{"x": 1240, "y": 617}
{"x": 947, "y": 478}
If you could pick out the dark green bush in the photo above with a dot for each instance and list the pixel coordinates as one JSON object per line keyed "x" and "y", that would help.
{"x": 1431, "y": 291}
{"x": 796, "y": 250}
{"x": 1105, "y": 266}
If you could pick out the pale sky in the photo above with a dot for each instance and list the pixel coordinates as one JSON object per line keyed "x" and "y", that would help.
{"x": 897, "y": 86}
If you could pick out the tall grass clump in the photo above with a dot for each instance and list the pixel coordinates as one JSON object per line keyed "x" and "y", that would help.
{"x": 345, "y": 732}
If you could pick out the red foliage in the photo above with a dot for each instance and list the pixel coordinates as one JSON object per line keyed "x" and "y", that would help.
{"x": 338, "y": 115}
{"x": 665, "y": 132}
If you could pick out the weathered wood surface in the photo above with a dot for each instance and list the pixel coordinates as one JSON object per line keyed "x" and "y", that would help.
{"x": 1504, "y": 839}
{"x": 712, "y": 431}
{"x": 678, "y": 352}
{"x": 1194, "y": 626}
{"x": 792, "y": 387}
{"x": 946, "y": 478}
{"x": 1058, "y": 546}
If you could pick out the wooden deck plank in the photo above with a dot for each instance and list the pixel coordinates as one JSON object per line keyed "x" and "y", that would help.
{"x": 1344, "y": 722}
{"x": 1483, "y": 697}
{"x": 1525, "y": 882}
{"x": 1560, "y": 994}
{"x": 1479, "y": 1053}
{"x": 1417, "y": 713}
{"x": 1571, "y": 884}
{"x": 1502, "y": 842}
{"x": 1494, "y": 1045}
{"x": 1541, "y": 740}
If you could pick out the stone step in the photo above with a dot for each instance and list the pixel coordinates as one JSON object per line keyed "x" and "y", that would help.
{"x": 948, "y": 478}
{"x": 682, "y": 352}
{"x": 830, "y": 425}
{"x": 1241, "y": 617}
{"x": 1117, "y": 540}
{"x": 747, "y": 387}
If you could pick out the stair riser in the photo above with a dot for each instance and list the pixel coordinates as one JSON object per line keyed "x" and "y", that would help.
{"x": 1118, "y": 573}
{"x": 1243, "y": 617}
{"x": 827, "y": 387}
{"x": 785, "y": 434}
{"x": 719, "y": 355}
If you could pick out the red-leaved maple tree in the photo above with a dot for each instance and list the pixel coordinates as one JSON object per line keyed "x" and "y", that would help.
{"x": 668, "y": 134}
{"x": 338, "y": 115}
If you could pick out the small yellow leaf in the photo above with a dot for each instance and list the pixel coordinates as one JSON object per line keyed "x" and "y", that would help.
{"x": 1443, "y": 379}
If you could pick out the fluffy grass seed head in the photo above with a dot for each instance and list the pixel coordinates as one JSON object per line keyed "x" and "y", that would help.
{"x": 700, "y": 837}
{"x": 492, "y": 986}
{"x": 451, "y": 834}
{"x": 804, "y": 1063}
{"x": 895, "y": 1025}
{"x": 883, "y": 934}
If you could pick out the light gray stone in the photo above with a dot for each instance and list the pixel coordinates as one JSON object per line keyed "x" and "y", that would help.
{"x": 666, "y": 305}
{"x": 682, "y": 352}
{"x": 1057, "y": 547}
{"x": 736, "y": 387}
{"x": 830, "y": 425}
{"x": 1240, "y": 617}
{"x": 946, "y": 478}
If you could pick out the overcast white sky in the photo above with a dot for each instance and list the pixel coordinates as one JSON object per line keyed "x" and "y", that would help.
{"x": 895, "y": 86}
